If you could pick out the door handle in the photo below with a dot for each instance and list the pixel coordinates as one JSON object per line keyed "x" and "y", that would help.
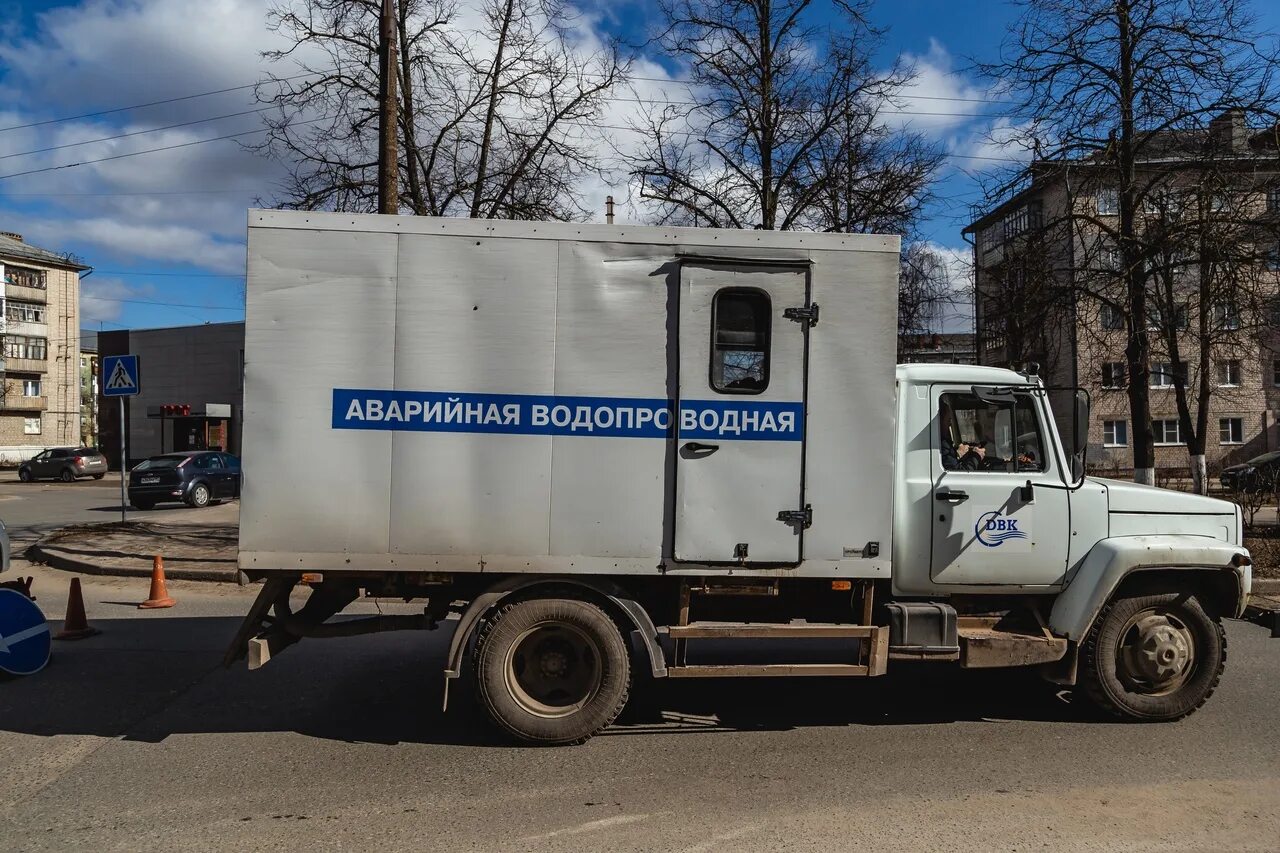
{"x": 953, "y": 495}
{"x": 694, "y": 447}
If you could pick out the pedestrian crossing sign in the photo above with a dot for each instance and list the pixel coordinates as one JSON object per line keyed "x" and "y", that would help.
{"x": 120, "y": 376}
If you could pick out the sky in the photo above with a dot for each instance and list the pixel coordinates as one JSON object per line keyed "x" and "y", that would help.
{"x": 164, "y": 231}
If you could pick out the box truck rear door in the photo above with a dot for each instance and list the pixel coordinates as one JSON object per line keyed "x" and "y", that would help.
{"x": 740, "y": 423}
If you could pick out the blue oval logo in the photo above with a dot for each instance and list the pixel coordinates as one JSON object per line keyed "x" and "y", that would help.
{"x": 994, "y": 529}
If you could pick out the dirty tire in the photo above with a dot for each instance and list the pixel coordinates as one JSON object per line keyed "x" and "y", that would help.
{"x": 200, "y": 496}
{"x": 67, "y": 475}
{"x": 24, "y": 475}
{"x": 1110, "y": 684}
{"x": 530, "y": 649}
{"x": 98, "y": 476}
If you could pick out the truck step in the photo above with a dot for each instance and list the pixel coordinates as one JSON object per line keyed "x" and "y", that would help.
{"x": 984, "y": 645}
{"x": 872, "y": 649}
{"x": 771, "y": 631}
{"x": 767, "y": 670}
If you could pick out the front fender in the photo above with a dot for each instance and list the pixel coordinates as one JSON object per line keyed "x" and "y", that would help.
{"x": 1110, "y": 561}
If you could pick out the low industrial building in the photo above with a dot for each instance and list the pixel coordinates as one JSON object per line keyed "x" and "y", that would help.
{"x": 192, "y": 390}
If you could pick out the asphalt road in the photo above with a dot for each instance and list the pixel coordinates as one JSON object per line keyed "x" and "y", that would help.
{"x": 30, "y": 510}
{"x": 138, "y": 740}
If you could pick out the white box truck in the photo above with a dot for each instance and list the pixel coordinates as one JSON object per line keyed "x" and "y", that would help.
{"x": 608, "y": 453}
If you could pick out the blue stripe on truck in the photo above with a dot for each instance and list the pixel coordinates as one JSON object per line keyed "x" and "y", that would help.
{"x": 526, "y": 414}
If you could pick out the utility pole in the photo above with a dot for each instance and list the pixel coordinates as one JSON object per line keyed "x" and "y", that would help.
{"x": 388, "y": 159}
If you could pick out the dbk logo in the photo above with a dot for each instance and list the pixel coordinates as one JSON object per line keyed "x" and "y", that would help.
{"x": 994, "y": 529}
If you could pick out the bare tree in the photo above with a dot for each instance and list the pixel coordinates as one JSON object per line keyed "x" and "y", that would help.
{"x": 1098, "y": 87}
{"x": 785, "y": 128}
{"x": 1210, "y": 295}
{"x": 496, "y": 120}
{"x": 925, "y": 292}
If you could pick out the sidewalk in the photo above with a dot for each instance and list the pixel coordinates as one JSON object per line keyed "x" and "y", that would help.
{"x": 205, "y": 551}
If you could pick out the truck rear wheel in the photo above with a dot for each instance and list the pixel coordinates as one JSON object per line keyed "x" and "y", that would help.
{"x": 552, "y": 671}
{"x": 1153, "y": 658}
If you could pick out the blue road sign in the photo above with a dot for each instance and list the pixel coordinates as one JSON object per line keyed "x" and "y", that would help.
{"x": 120, "y": 376}
{"x": 24, "y": 635}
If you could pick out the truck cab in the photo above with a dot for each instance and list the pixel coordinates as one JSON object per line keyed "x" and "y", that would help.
{"x": 991, "y": 502}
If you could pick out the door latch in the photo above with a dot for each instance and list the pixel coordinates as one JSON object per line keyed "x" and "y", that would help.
{"x": 808, "y": 314}
{"x": 802, "y": 518}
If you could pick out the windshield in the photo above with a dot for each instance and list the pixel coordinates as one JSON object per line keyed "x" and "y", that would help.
{"x": 156, "y": 462}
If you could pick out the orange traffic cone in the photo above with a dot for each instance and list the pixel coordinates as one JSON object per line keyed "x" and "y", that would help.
{"x": 159, "y": 594}
{"x": 76, "y": 626}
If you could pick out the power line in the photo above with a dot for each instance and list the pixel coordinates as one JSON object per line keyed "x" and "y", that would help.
{"x": 149, "y": 151}
{"x": 164, "y": 304}
{"x": 172, "y": 274}
{"x": 133, "y": 193}
{"x": 134, "y": 133}
{"x": 156, "y": 103}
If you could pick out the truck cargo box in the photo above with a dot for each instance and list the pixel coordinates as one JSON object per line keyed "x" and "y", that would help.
{"x": 453, "y": 395}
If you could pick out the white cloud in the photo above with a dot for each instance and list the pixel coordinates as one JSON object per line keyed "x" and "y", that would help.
{"x": 948, "y": 97}
{"x": 99, "y": 299}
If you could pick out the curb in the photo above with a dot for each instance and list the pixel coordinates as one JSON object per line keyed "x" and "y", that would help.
{"x": 1266, "y": 586}
{"x": 37, "y": 554}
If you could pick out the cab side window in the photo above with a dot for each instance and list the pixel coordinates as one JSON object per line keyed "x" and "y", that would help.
{"x": 980, "y": 435}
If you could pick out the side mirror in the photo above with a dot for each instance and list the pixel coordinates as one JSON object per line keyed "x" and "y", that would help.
{"x": 1080, "y": 436}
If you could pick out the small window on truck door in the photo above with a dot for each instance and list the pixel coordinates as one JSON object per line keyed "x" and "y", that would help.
{"x": 978, "y": 435}
{"x": 740, "y": 325}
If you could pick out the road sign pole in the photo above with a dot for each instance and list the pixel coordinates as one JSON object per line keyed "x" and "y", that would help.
{"x": 124, "y": 463}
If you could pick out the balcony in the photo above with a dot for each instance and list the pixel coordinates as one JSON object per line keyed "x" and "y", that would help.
{"x": 26, "y": 365}
{"x": 19, "y": 403}
{"x": 26, "y": 294}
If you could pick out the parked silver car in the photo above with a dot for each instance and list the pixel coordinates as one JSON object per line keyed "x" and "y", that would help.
{"x": 64, "y": 463}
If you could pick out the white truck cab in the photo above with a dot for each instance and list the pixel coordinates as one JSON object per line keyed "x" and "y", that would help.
{"x": 603, "y": 454}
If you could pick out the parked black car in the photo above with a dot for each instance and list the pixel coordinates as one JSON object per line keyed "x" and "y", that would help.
{"x": 65, "y": 464}
{"x": 1257, "y": 474}
{"x": 196, "y": 477}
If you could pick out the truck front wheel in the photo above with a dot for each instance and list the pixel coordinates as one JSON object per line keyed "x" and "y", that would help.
{"x": 1153, "y": 658}
{"x": 552, "y": 671}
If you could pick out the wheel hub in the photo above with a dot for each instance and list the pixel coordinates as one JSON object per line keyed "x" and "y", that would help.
{"x": 552, "y": 669}
{"x": 1157, "y": 651}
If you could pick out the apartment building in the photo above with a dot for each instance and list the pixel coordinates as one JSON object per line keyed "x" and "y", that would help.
{"x": 1045, "y": 270}
{"x": 40, "y": 371}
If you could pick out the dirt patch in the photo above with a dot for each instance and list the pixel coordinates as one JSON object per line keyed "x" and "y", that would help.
{"x": 1264, "y": 545}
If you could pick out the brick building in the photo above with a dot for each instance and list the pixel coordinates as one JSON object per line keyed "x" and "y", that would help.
{"x": 1041, "y": 255}
{"x": 40, "y": 375}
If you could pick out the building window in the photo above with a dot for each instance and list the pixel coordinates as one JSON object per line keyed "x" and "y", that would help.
{"x": 1111, "y": 318}
{"x": 1115, "y": 433}
{"x": 1272, "y": 259}
{"x": 23, "y": 312}
{"x": 740, "y": 326}
{"x": 30, "y": 387}
{"x": 1229, "y": 373}
{"x": 1166, "y": 431}
{"x": 1108, "y": 201}
{"x": 1226, "y": 316}
{"x": 1230, "y": 430}
{"x": 1156, "y": 316}
{"x": 1275, "y": 372}
{"x": 1273, "y": 198}
{"x": 18, "y": 346}
{"x": 24, "y": 277}
{"x": 31, "y": 426}
{"x": 1113, "y": 374}
{"x": 1162, "y": 374}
